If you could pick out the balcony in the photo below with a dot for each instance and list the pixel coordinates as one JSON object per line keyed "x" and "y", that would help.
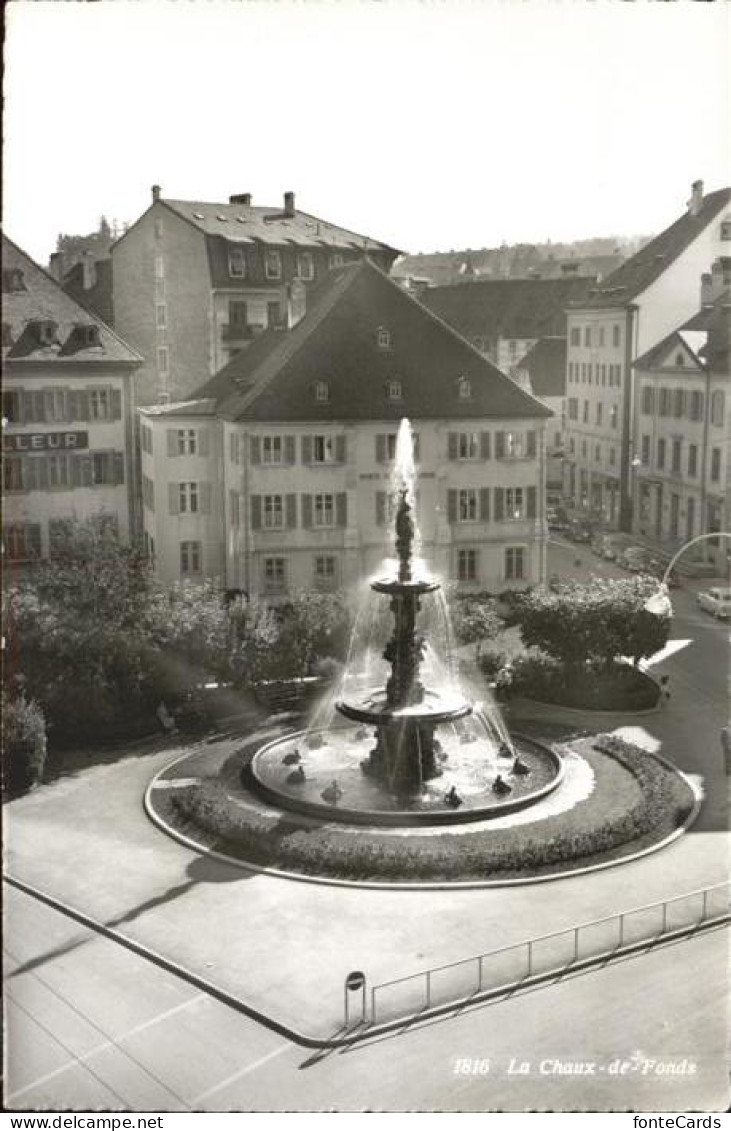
{"x": 237, "y": 332}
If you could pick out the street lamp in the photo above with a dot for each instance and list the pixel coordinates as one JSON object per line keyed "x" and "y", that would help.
{"x": 659, "y": 603}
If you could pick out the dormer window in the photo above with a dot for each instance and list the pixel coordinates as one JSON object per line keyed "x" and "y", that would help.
{"x": 394, "y": 391}
{"x": 273, "y": 264}
{"x": 679, "y": 360}
{"x": 89, "y": 335}
{"x": 45, "y": 331}
{"x": 464, "y": 389}
{"x": 322, "y": 391}
{"x": 305, "y": 266}
{"x": 383, "y": 338}
{"x": 336, "y": 259}
{"x": 236, "y": 263}
{"x": 13, "y": 279}
{"x": 726, "y": 229}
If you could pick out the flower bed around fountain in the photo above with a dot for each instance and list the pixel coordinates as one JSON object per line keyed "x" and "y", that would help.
{"x": 637, "y": 802}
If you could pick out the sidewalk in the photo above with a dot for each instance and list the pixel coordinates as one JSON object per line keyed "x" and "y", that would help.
{"x": 284, "y": 946}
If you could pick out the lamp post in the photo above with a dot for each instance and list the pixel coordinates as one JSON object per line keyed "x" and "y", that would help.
{"x": 659, "y": 603}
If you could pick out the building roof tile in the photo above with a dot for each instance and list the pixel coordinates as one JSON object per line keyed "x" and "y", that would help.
{"x": 336, "y": 342}
{"x": 545, "y": 364}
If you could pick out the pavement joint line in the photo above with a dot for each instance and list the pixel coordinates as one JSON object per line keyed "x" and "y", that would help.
{"x": 241, "y": 1072}
{"x": 105, "y": 1044}
{"x": 368, "y": 1030}
{"x": 456, "y": 885}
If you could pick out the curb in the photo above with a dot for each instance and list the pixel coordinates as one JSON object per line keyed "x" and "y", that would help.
{"x": 458, "y": 885}
{"x": 364, "y": 1031}
{"x": 576, "y": 712}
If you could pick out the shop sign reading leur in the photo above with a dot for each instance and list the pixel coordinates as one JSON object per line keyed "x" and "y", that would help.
{"x": 45, "y": 441}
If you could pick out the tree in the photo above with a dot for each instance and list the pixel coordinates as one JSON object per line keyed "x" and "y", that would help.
{"x": 311, "y": 627}
{"x": 475, "y": 621}
{"x": 596, "y": 622}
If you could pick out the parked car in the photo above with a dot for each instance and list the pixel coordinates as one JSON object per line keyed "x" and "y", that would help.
{"x": 715, "y": 601}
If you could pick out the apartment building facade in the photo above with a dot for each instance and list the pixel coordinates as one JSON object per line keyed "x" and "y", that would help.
{"x": 682, "y": 480}
{"x": 68, "y": 414}
{"x": 195, "y": 282}
{"x": 633, "y": 309}
{"x": 280, "y": 474}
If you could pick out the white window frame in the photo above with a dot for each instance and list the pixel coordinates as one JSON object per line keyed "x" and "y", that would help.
{"x": 272, "y": 450}
{"x": 329, "y": 575}
{"x": 272, "y": 264}
{"x": 323, "y": 510}
{"x": 188, "y": 497}
{"x": 383, "y": 338}
{"x": 274, "y": 570}
{"x": 273, "y": 512}
{"x": 467, "y": 509}
{"x": 467, "y": 564}
{"x": 161, "y": 315}
{"x": 190, "y": 557}
{"x": 468, "y": 445}
{"x": 322, "y": 391}
{"x": 187, "y": 442}
{"x": 163, "y": 359}
{"x": 100, "y": 399}
{"x": 464, "y": 389}
{"x": 515, "y": 504}
{"x": 323, "y": 449}
{"x": 515, "y": 555}
{"x": 237, "y": 255}
{"x": 305, "y": 258}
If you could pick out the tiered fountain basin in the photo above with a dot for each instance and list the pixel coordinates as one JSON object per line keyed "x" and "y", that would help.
{"x": 468, "y": 763}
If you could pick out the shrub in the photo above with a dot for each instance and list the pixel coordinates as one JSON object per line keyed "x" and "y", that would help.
{"x": 595, "y": 622}
{"x": 593, "y": 687}
{"x": 23, "y": 745}
{"x": 491, "y": 664}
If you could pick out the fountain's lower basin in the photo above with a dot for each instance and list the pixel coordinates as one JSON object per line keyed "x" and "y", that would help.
{"x": 337, "y": 754}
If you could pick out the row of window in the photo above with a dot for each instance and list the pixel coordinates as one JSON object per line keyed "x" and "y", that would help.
{"x": 276, "y": 450}
{"x": 675, "y": 466}
{"x": 595, "y": 335}
{"x": 584, "y": 449}
{"x": 22, "y": 542}
{"x": 680, "y": 403}
{"x": 573, "y": 407}
{"x": 585, "y": 372}
{"x": 62, "y": 471}
{"x": 61, "y": 405}
{"x": 239, "y": 263}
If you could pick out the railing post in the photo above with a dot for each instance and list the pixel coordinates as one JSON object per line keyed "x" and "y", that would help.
{"x": 530, "y": 959}
{"x": 704, "y": 909}
{"x": 373, "y": 1005}
{"x": 664, "y": 917}
{"x": 479, "y": 973}
{"x": 428, "y": 989}
{"x": 576, "y": 944}
{"x": 621, "y": 930}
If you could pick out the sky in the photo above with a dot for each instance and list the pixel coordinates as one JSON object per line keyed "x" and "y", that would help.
{"x": 431, "y": 125}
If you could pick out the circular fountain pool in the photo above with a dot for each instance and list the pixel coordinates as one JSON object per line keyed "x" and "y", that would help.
{"x": 320, "y": 774}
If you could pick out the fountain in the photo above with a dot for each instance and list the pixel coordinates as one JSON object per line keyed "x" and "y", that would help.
{"x": 410, "y": 776}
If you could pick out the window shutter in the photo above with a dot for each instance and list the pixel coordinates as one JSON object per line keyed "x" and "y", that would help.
{"x": 290, "y": 511}
{"x": 72, "y": 405}
{"x": 307, "y": 511}
{"x": 380, "y": 508}
{"x": 484, "y": 504}
{"x": 116, "y": 401}
{"x": 174, "y": 498}
{"x": 453, "y": 445}
{"x": 40, "y": 467}
{"x": 256, "y": 512}
{"x": 531, "y": 502}
{"x": 255, "y": 448}
{"x": 118, "y": 468}
{"x": 205, "y": 497}
{"x": 172, "y": 441}
{"x": 380, "y": 448}
{"x": 76, "y": 471}
{"x": 340, "y": 449}
{"x": 484, "y": 445}
{"x": 531, "y": 444}
{"x": 290, "y": 453}
{"x": 341, "y": 509}
{"x": 499, "y": 445}
{"x": 307, "y": 449}
{"x": 83, "y": 405}
{"x": 46, "y": 403}
{"x": 451, "y": 506}
{"x": 499, "y": 504}
{"x": 203, "y": 442}
{"x": 26, "y": 407}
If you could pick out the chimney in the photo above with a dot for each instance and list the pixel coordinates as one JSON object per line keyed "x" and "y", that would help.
{"x": 155, "y": 193}
{"x": 241, "y": 198}
{"x": 696, "y": 198}
{"x": 89, "y": 271}
{"x": 296, "y": 302}
{"x": 706, "y": 289}
{"x": 55, "y": 265}
{"x": 289, "y": 204}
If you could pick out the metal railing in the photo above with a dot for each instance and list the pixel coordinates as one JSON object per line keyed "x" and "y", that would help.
{"x": 504, "y": 969}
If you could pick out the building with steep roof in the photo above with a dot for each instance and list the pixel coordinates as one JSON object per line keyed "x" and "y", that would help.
{"x": 619, "y": 321}
{"x": 278, "y": 474}
{"x": 195, "y": 282}
{"x": 682, "y": 477}
{"x": 504, "y": 318}
{"x": 68, "y": 413}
